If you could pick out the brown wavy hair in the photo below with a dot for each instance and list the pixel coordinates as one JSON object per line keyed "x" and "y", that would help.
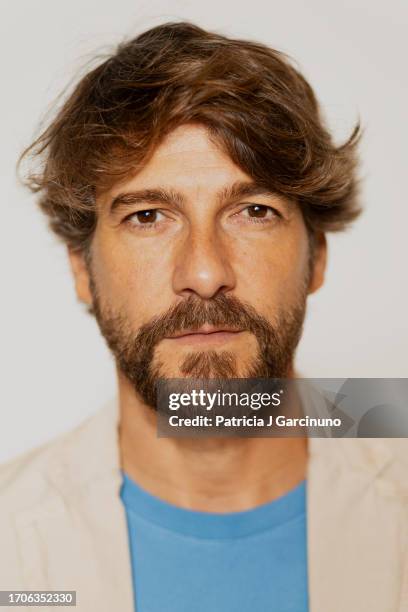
{"x": 254, "y": 102}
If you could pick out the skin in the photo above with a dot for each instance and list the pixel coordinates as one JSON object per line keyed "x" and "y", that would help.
{"x": 200, "y": 244}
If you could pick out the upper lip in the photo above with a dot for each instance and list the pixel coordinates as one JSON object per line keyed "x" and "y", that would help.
{"x": 204, "y": 329}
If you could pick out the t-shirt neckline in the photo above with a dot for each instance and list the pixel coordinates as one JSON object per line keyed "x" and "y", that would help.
{"x": 212, "y": 525}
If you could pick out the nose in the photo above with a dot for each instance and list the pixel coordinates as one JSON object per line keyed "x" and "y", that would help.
{"x": 202, "y": 265}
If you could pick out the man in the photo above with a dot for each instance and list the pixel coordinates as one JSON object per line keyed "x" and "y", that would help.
{"x": 193, "y": 180}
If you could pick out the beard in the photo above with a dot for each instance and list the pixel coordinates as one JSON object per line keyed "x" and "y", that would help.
{"x": 134, "y": 352}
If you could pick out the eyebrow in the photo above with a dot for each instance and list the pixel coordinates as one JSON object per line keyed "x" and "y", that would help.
{"x": 147, "y": 196}
{"x": 171, "y": 197}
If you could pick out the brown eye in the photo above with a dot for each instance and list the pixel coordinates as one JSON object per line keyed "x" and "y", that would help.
{"x": 146, "y": 216}
{"x": 258, "y": 210}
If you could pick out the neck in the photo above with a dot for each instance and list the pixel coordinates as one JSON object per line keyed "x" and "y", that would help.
{"x": 210, "y": 475}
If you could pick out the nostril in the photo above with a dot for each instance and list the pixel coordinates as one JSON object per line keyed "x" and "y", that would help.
{"x": 202, "y": 275}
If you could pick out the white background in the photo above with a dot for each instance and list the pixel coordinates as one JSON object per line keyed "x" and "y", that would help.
{"x": 56, "y": 369}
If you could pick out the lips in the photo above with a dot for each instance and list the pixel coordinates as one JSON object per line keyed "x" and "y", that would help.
{"x": 206, "y": 335}
{"x": 205, "y": 330}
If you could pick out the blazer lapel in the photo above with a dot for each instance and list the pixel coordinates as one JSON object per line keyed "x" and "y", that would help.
{"x": 357, "y": 528}
{"x": 76, "y": 538}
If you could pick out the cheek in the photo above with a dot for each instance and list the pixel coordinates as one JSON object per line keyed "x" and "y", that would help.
{"x": 273, "y": 274}
{"x": 127, "y": 278}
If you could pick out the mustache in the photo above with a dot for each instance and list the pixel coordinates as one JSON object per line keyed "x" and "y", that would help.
{"x": 192, "y": 313}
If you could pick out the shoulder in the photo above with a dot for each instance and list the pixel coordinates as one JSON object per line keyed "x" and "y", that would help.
{"x": 28, "y": 478}
{"x": 382, "y": 460}
{"x": 398, "y": 465}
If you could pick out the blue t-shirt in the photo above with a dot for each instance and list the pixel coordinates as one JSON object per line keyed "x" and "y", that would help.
{"x": 190, "y": 561}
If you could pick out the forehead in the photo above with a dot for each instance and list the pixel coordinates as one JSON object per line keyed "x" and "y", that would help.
{"x": 185, "y": 139}
{"x": 189, "y": 160}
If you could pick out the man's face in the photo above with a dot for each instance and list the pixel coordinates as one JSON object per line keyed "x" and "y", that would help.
{"x": 195, "y": 270}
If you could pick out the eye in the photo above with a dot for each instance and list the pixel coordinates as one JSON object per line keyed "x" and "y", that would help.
{"x": 260, "y": 211}
{"x": 145, "y": 217}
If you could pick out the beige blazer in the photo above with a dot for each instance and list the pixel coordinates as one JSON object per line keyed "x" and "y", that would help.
{"x": 63, "y": 527}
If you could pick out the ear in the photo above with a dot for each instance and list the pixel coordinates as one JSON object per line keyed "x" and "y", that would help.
{"x": 81, "y": 276}
{"x": 318, "y": 263}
